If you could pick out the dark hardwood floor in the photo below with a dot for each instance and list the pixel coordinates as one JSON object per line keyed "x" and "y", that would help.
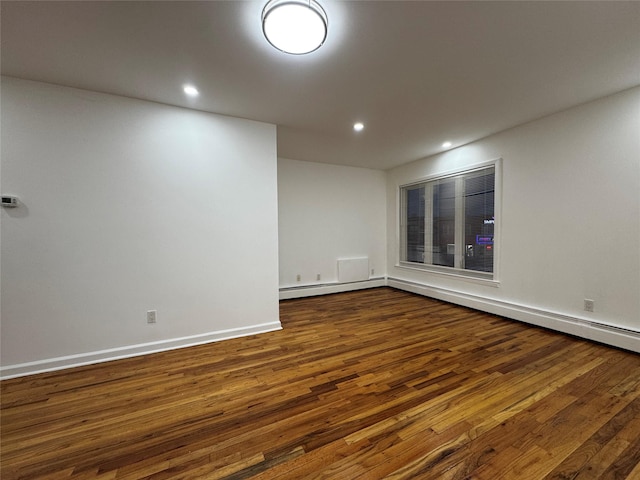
{"x": 362, "y": 385}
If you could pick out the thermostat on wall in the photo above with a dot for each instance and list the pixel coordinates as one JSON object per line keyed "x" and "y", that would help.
{"x": 9, "y": 201}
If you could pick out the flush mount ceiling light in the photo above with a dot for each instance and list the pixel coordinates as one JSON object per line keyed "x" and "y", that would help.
{"x": 294, "y": 26}
{"x": 358, "y": 127}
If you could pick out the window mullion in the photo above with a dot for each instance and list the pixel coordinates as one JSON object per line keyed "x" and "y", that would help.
{"x": 428, "y": 227}
{"x": 403, "y": 224}
{"x": 459, "y": 224}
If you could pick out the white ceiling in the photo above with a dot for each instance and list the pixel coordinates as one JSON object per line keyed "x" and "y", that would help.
{"x": 417, "y": 73}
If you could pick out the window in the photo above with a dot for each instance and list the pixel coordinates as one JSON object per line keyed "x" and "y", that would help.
{"x": 447, "y": 223}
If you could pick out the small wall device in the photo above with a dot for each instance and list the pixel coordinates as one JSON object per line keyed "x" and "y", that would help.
{"x": 9, "y": 201}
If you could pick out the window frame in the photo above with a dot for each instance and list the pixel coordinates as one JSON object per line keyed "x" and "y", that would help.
{"x": 485, "y": 278}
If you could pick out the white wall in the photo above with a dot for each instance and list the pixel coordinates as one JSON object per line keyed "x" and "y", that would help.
{"x": 327, "y": 212}
{"x": 570, "y": 219}
{"x": 130, "y": 206}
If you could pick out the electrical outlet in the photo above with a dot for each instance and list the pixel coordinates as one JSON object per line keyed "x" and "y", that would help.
{"x": 588, "y": 305}
{"x": 318, "y": 276}
{"x": 372, "y": 272}
{"x": 298, "y": 278}
{"x": 152, "y": 316}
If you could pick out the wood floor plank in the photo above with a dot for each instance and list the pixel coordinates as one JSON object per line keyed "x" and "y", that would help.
{"x": 590, "y": 459}
{"x": 362, "y": 385}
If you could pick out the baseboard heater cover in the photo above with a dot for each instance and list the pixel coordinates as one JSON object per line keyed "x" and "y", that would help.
{"x": 287, "y": 293}
{"x": 613, "y": 335}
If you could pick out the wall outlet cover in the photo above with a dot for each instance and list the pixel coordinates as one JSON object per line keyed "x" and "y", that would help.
{"x": 588, "y": 305}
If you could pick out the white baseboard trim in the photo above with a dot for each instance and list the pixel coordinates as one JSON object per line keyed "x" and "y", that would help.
{"x": 613, "y": 335}
{"x": 287, "y": 293}
{"x": 69, "y": 361}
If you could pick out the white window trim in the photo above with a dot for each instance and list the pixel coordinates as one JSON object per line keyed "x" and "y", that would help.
{"x": 453, "y": 273}
{"x": 492, "y": 279}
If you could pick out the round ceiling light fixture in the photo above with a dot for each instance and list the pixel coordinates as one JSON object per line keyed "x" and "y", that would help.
{"x": 294, "y": 26}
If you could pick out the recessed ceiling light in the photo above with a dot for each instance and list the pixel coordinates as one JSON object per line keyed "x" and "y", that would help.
{"x": 358, "y": 127}
{"x": 190, "y": 90}
{"x": 294, "y": 26}
{"x": 446, "y": 144}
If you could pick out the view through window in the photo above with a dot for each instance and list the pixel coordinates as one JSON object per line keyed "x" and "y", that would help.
{"x": 449, "y": 222}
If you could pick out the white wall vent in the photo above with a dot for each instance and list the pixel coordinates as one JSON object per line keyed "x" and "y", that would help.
{"x": 353, "y": 269}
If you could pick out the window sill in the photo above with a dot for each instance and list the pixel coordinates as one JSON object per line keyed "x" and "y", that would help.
{"x": 479, "y": 278}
